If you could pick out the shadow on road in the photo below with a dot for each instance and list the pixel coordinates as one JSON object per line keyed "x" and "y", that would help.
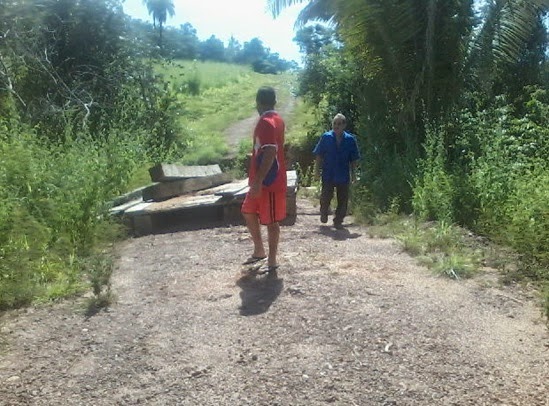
{"x": 339, "y": 235}
{"x": 258, "y": 294}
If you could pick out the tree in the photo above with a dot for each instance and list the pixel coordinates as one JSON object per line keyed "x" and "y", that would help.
{"x": 181, "y": 43}
{"x": 159, "y": 10}
{"x": 422, "y": 52}
{"x": 212, "y": 50}
{"x": 61, "y": 60}
{"x": 511, "y": 36}
{"x": 252, "y": 51}
{"x": 315, "y": 10}
{"x": 233, "y": 49}
{"x": 70, "y": 66}
{"x": 312, "y": 39}
{"x": 414, "y": 60}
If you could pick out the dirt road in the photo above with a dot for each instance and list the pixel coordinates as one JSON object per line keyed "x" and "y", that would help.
{"x": 350, "y": 321}
{"x": 243, "y": 129}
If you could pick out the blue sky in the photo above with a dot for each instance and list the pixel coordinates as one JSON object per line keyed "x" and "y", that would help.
{"x": 243, "y": 19}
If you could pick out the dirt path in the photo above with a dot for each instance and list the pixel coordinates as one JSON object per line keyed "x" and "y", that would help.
{"x": 243, "y": 129}
{"x": 350, "y": 321}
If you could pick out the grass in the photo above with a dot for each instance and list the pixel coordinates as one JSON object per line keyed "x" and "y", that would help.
{"x": 446, "y": 249}
{"x": 224, "y": 94}
{"x": 207, "y": 75}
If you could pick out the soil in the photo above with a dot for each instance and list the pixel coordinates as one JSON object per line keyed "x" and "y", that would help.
{"x": 350, "y": 320}
{"x": 243, "y": 129}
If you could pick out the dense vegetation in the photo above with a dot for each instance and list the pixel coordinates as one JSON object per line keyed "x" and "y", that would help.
{"x": 450, "y": 106}
{"x": 85, "y": 109}
{"x": 449, "y": 100}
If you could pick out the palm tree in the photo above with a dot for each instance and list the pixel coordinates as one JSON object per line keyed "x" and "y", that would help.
{"x": 399, "y": 43}
{"x": 502, "y": 38}
{"x": 315, "y": 10}
{"x": 160, "y": 9}
{"x": 423, "y": 51}
{"x": 413, "y": 61}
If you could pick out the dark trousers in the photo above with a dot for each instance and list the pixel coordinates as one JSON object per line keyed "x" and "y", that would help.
{"x": 326, "y": 196}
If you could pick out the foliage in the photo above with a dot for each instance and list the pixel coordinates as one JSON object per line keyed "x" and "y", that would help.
{"x": 70, "y": 68}
{"x": 302, "y": 134}
{"x": 362, "y": 204}
{"x": 442, "y": 247}
{"x": 449, "y": 106}
{"x": 434, "y": 190}
{"x": 527, "y": 228}
{"x": 159, "y": 10}
{"x": 99, "y": 269}
{"x": 56, "y": 210}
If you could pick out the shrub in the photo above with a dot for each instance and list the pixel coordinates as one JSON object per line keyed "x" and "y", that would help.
{"x": 54, "y": 209}
{"x": 433, "y": 192}
{"x": 527, "y": 228}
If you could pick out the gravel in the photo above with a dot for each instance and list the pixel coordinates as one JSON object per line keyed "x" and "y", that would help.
{"x": 350, "y": 320}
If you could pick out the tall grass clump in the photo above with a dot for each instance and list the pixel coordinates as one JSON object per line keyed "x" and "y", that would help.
{"x": 56, "y": 212}
{"x": 511, "y": 178}
{"x": 527, "y": 227}
{"x": 433, "y": 192}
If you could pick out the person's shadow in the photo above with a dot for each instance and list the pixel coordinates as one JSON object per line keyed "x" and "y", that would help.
{"x": 340, "y": 235}
{"x": 258, "y": 293}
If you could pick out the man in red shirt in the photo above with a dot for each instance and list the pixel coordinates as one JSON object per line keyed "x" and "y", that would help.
{"x": 265, "y": 202}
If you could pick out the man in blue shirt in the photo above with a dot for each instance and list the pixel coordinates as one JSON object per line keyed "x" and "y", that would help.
{"x": 337, "y": 157}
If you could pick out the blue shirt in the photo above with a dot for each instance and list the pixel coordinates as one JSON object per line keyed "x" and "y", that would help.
{"x": 336, "y": 159}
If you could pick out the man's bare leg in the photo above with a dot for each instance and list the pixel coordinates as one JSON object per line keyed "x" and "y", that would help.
{"x": 252, "y": 222}
{"x": 273, "y": 235}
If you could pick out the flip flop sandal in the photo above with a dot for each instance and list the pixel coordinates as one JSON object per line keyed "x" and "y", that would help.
{"x": 252, "y": 260}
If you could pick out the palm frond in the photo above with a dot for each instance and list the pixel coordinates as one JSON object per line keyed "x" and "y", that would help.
{"x": 276, "y": 6}
{"x": 516, "y": 23}
{"x": 506, "y": 27}
{"x": 317, "y": 10}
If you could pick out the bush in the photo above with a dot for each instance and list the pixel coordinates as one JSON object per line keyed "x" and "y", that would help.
{"x": 527, "y": 228}
{"x": 54, "y": 209}
{"x": 433, "y": 193}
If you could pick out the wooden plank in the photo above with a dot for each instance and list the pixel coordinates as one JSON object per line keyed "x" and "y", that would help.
{"x": 232, "y": 188}
{"x": 125, "y": 206}
{"x": 182, "y": 202}
{"x": 171, "y": 172}
{"x": 128, "y": 197}
{"x": 144, "y": 215}
{"x": 142, "y": 225}
{"x": 291, "y": 181}
{"x": 240, "y": 188}
{"x": 166, "y": 190}
{"x": 137, "y": 209}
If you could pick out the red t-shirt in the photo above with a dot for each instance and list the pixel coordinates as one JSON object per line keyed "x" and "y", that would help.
{"x": 269, "y": 130}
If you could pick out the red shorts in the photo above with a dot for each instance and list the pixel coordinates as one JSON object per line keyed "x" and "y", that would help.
{"x": 269, "y": 206}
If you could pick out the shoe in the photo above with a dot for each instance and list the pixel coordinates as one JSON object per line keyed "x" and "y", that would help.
{"x": 324, "y": 218}
{"x": 338, "y": 225}
{"x": 252, "y": 260}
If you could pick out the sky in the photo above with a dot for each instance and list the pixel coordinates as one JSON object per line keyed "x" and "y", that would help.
{"x": 243, "y": 19}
